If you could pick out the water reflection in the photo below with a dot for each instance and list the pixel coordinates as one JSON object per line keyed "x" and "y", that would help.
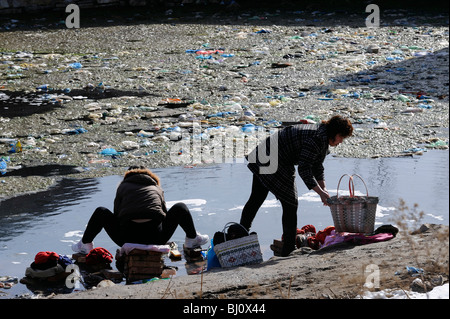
{"x": 20, "y": 213}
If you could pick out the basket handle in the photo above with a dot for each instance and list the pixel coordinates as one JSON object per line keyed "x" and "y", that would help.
{"x": 339, "y": 183}
{"x": 228, "y": 225}
{"x": 367, "y": 191}
{"x": 351, "y": 185}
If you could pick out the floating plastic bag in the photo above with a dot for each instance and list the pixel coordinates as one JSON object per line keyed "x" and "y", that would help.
{"x": 109, "y": 151}
{"x": 3, "y": 167}
{"x": 76, "y": 65}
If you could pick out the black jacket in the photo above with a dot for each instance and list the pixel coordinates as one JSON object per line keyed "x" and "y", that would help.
{"x": 139, "y": 196}
{"x": 305, "y": 145}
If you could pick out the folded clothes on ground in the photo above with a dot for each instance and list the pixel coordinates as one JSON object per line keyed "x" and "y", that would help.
{"x": 45, "y": 273}
{"x": 47, "y": 264}
{"x": 127, "y": 247}
{"x": 98, "y": 255}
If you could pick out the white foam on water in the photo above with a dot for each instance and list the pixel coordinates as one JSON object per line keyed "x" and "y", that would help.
{"x": 271, "y": 203}
{"x": 383, "y": 211}
{"x": 310, "y": 197}
{"x": 440, "y": 218}
{"x": 188, "y": 202}
{"x": 68, "y": 241}
{"x": 74, "y": 233}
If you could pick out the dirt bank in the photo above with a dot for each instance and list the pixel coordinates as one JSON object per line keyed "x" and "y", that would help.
{"x": 336, "y": 272}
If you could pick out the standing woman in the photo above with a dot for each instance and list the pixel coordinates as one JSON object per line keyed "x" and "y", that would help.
{"x": 305, "y": 145}
{"x": 140, "y": 215}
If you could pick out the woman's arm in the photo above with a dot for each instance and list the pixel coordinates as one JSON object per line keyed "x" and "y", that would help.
{"x": 321, "y": 190}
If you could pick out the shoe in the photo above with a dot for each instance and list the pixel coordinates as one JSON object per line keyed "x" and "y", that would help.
{"x": 286, "y": 251}
{"x": 288, "y": 247}
{"x": 197, "y": 241}
{"x": 82, "y": 248}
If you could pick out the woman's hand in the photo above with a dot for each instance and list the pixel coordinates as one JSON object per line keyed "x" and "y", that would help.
{"x": 323, "y": 193}
{"x": 324, "y": 196}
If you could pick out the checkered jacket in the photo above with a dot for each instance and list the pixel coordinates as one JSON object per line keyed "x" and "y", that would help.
{"x": 304, "y": 145}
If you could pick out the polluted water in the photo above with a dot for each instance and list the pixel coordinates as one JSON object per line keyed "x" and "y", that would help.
{"x": 55, "y": 219}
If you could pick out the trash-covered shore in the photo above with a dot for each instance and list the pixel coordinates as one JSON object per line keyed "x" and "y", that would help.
{"x": 179, "y": 88}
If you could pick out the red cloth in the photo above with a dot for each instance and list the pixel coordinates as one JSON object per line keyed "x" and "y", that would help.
{"x": 98, "y": 255}
{"x": 45, "y": 256}
{"x": 322, "y": 234}
{"x": 313, "y": 243}
{"x": 306, "y": 229}
{"x": 315, "y": 240}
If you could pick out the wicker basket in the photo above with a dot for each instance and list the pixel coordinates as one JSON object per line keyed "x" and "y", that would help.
{"x": 353, "y": 214}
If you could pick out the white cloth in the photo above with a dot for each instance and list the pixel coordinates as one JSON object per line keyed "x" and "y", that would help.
{"x": 127, "y": 247}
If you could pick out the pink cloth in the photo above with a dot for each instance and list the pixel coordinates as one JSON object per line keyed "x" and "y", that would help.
{"x": 361, "y": 239}
{"x": 358, "y": 239}
{"x": 334, "y": 238}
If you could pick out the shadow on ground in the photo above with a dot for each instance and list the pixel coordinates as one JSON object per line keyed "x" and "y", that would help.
{"x": 19, "y": 103}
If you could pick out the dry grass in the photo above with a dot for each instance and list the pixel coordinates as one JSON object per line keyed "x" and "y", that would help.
{"x": 410, "y": 221}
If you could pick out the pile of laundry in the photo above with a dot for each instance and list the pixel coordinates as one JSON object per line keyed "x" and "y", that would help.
{"x": 48, "y": 265}
{"x": 51, "y": 268}
{"x": 307, "y": 236}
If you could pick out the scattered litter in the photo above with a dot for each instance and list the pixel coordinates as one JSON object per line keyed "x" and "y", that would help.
{"x": 414, "y": 271}
{"x": 3, "y": 166}
{"x": 76, "y": 65}
{"x": 218, "y": 82}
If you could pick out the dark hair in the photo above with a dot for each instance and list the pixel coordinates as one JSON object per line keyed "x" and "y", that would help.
{"x": 135, "y": 167}
{"x": 134, "y": 170}
{"x": 339, "y": 125}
